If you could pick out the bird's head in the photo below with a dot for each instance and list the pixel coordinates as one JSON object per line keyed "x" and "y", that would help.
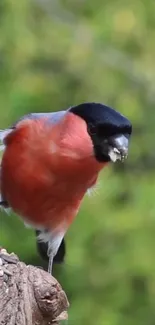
{"x": 109, "y": 130}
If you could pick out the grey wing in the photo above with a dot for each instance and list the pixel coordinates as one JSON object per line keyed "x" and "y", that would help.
{"x": 53, "y": 117}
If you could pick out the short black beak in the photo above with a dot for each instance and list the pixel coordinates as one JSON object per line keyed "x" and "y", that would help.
{"x": 118, "y": 147}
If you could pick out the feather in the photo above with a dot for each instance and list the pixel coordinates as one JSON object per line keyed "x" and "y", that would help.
{"x": 53, "y": 239}
{"x": 42, "y": 248}
{"x": 3, "y": 134}
{"x": 52, "y": 118}
{"x": 3, "y": 204}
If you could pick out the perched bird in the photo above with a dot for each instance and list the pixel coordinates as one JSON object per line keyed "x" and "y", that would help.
{"x": 50, "y": 160}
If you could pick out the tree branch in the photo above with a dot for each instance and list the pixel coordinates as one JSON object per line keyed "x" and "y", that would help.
{"x": 29, "y": 295}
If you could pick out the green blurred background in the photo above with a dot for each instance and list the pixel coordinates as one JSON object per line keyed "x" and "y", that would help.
{"x": 54, "y": 54}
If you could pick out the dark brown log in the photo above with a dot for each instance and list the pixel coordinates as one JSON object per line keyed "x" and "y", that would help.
{"x": 29, "y": 295}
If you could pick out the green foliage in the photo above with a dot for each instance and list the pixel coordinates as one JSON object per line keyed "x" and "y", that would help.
{"x": 54, "y": 54}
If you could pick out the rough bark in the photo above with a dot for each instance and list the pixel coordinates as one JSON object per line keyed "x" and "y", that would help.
{"x": 29, "y": 295}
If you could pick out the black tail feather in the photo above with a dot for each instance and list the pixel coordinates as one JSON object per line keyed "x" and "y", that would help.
{"x": 43, "y": 247}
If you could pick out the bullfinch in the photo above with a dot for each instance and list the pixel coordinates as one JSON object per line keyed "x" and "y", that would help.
{"x": 50, "y": 160}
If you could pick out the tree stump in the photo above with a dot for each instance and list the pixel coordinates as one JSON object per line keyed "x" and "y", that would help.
{"x": 29, "y": 295}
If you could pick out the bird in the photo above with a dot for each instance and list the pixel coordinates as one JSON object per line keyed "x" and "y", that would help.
{"x": 51, "y": 160}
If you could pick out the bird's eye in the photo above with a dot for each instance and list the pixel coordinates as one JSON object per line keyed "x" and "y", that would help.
{"x": 92, "y": 129}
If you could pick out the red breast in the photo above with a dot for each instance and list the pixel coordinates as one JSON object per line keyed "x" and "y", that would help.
{"x": 46, "y": 170}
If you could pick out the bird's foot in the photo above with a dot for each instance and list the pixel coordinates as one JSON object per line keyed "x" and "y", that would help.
{"x": 50, "y": 264}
